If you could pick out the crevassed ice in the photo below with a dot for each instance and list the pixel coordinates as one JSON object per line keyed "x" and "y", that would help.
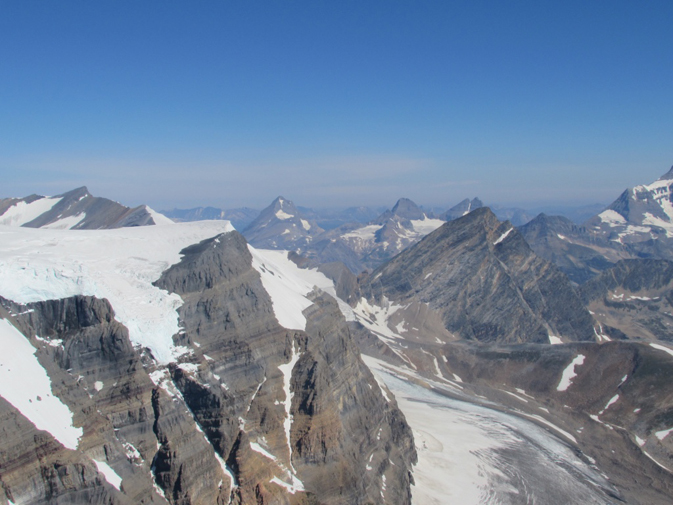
{"x": 119, "y": 265}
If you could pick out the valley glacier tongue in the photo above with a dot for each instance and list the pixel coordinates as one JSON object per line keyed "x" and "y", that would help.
{"x": 471, "y": 454}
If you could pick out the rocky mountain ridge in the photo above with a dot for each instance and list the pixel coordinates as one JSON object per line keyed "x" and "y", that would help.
{"x": 256, "y": 393}
{"x": 473, "y": 270}
{"x": 608, "y": 399}
{"x": 242, "y": 411}
{"x": 77, "y": 210}
{"x": 281, "y": 226}
{"x": 638, "y": 224}
{"x": 356, "y": 245}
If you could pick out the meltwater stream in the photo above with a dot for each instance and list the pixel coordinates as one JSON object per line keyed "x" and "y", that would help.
{"x": 470, "y": 454}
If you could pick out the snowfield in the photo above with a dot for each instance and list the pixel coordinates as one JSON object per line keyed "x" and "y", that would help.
{"x": 288, "y": 285}
{"x": 22, "y": 212}
{"x": 25, "y": 384}
{"x": 119, "y": 265}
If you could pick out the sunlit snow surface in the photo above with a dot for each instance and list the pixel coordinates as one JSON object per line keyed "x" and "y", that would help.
{"x": 158, "y": 218}
{"x": 288, "y": 285}
{"x": 21, "y": 212}
{"x": 570, "y": 373}
{"x": 110, "y": 475}
{"x": 118, "y": 265}
{"x": 67, "y": 222}
{"x": 426, "y": 225}
{"x": 469, "y": 454}
{"x": 25, "y": 384}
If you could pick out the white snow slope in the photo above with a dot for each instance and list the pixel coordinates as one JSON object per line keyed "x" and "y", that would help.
{"x": 119, "y": 265}
{"x": 22, "y": 212}
{"x": 26, "y": 385}
{"x": 288, "y": 285}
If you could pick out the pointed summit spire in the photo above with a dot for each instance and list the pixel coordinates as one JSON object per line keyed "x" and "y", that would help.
{"x": 668, "y": 176}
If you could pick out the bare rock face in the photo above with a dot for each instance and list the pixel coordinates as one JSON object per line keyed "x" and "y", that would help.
{"x": 634, "y": 300}
{"x": 366, "y": 246}
{"x": 95, "y": 371}
{"x": 577, "y": 251}
{"x": 317, "y": 444}
{"x": 250, "y": 413}
{"x": 485, "y": 283}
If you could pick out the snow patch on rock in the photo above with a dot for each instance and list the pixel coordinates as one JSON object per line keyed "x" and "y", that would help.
{"x": 569, "y": 373}
{"x": 25, "y": 384}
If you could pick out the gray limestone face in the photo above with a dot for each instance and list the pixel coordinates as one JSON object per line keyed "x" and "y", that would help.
{"x": 578, "y": 252}
{"x": 633, "y": 300}
{"x": 340, "y": 419}
{"x": 473, "y": 272}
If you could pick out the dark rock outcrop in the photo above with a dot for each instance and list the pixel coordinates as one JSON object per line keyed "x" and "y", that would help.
{"x": 634, "y": 299}
{"x": 339, "y": 418}
{"x": 486, "y": 284}
{"x": 249, "y": 413}
{"x": 577, "y": 252}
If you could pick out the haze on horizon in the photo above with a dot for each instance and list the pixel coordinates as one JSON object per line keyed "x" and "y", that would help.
{"x": 334, "y": 104}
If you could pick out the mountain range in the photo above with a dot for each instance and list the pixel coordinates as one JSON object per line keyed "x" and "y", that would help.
{"x": 638, "y": 224}
{"x": 410, "y": 359}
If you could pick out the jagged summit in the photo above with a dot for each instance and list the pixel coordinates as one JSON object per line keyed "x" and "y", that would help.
{"x": 80, "y": 192}
{"x": 641, "y": 219}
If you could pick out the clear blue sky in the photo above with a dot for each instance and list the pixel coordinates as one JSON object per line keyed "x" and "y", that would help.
{"x": 335, "y": 103}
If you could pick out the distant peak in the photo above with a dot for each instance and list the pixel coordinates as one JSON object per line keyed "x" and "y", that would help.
{"x": 667, "y": 176}
{"x": 407, "y": 209}
{"x": 80, "y": 193}
{"x": 282, "y": 202}
{"x": 463, "y": 208}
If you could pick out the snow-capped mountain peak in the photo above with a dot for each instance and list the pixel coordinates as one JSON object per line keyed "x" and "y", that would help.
{"x": 76, "y": 209}
{"x": 281, "y": 226}
{"x": 641, "y": 214}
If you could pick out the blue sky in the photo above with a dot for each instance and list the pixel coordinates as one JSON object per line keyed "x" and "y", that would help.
{"x": 230, "y": 103}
